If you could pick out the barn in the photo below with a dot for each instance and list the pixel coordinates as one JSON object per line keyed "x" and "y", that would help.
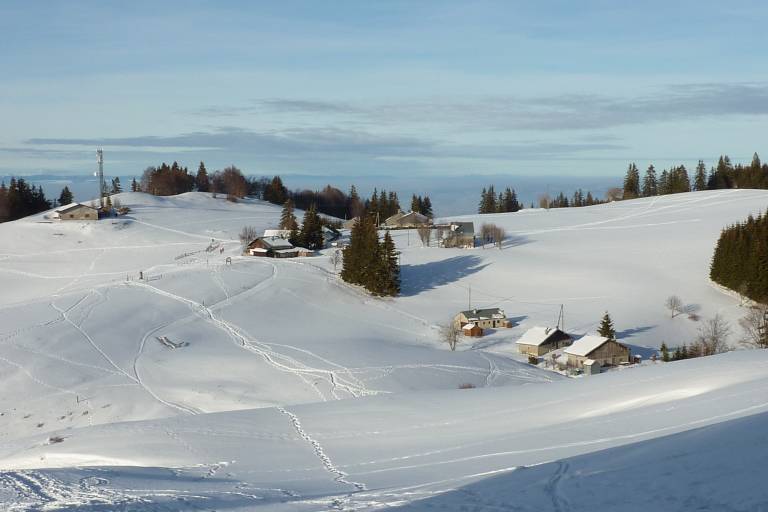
{"x": 407, "y": 220}
{"x": 537, "y": 341}
{"x": 604, "y": 351}
{"x": 76, "y": 211}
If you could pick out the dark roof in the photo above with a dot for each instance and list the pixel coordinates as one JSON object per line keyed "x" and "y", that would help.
{"x": 484, "y": 313}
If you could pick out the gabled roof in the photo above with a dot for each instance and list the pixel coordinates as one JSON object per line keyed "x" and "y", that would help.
{"x": 72, "y": 206}
{"x": 272, "y": 242}
{"x": 395, "y": 217}
{"x": 478, "y": 314}
{"x": 282, "y": 233}
{"x": 586, "y": 345}
{"x": 469, "y": 327}
{"x": 538, "y": 336}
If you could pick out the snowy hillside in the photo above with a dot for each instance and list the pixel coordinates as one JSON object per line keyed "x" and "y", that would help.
{"x": 271, "y": 384}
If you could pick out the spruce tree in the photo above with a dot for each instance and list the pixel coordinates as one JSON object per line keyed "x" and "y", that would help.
{"x": 664, "y": 352}
{"x": 134, "y": 185}
{"x": 201, "y": 179}
{"x": 427, "y": 207}
{"x": 389, "y": 279}
{"x": 66, "y": 196}
{"x": 311, "y": 234}
{"x": 700, "y": 179}
{"x": 632, "y": 182}
{"x": 288, "y": 218}
{"x": 606, "y": 329}
{"x": 650, "y": 184}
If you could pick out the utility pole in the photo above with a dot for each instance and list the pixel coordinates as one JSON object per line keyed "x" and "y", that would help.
{"x": 100, "y": 160}
{"x": 470, "y": 297}
{"x": 561, "y": 319}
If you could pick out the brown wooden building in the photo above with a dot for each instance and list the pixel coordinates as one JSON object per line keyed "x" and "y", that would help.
{"x": 603, "y": 351}
{"x": 472, "y": 329}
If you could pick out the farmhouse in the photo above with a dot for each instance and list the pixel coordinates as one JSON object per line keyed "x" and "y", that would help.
{"x": 406, "y": 220}
{"x": 76, "y": 211}
{"x": 603, "y": 351}
{"x": 275, "y": 247}
{"x": 457, "y": 234}
{"x": 483, "y": 318}
{"x": 538, "y": 341}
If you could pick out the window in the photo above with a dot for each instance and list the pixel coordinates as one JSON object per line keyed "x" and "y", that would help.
{"x": 71, "y": 215}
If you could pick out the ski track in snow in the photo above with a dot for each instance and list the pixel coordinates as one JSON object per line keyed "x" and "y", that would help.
{"x": 552, "y": 488}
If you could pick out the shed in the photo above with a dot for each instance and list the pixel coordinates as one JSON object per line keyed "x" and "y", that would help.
{"x": 538, "y": 341}
{"x": 457, "y": 234}
{"x": 472, "y": 329}
{"x": 591, "y": 367}
{"x": 605, "y": 351}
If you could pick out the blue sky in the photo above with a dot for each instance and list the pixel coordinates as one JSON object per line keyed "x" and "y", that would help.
{"x": 381, "y": 87}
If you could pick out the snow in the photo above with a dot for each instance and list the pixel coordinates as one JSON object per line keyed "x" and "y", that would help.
{"x": 536, "y": 336}
{"x": 585, "y": 345}
{"x": 289, "y": 390}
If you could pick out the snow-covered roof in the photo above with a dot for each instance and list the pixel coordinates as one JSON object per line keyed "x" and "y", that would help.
{"x": 468, "y": 326}
{"x": 71, "y": 206}
{"x": 586, "y": 345}
{"x": 537, "y": 336}
{"x": 274, "y": 242}
{"x": 282, "y": 233}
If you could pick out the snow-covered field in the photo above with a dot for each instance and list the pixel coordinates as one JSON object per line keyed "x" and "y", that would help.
{"x": 292, "y": 391}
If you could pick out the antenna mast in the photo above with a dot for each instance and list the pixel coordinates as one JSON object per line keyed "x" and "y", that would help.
{"x": 100, "y": 160}
{"x": 561, "y": 319}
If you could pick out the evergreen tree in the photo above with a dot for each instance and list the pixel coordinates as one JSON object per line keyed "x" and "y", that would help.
{"x": 664, "y": 183}
{"x": 311, "y": 234}
{"x": 700, "y": 179}
{"x": 388, "y": 282}
{"x": 201, "y": 179}
{"x": 664, "y": 352}
{"x": 650, "y": 184}
{"x": 65, "y": 197}
{"x": 108, "y": 203}
{"x": 416, "y": 203}
{"x": 426, "y": 207}
{"x": 632, "y": 182}
{"x": 606, "y": 329}
{"x": 116, "y": 187}
{"x": 134, "y": 185}
{"x": 288, "y": 218}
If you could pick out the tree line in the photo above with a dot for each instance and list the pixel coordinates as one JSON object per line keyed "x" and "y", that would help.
{"x": 677, "y": 179}
{"x": 503, "y": 203}
{"x": 370, "y": 262}
{"x": 740, "y": 261}
{"x": 19, "y": 199}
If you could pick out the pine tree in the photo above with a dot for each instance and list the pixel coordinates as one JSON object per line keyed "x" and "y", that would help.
{"x": 606, "y": 329}
{"x": 65, "y": 197}
{"x": 134, "y": 185}
{"x": 664, "y": 352}
{"x": 116, "y": 187}
{"x": 288, "y": 218}
{"x": 108, "y": 203}
{"x": 201, "y": 179}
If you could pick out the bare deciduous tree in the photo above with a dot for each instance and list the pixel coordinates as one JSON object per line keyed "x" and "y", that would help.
{"x": 614, "y": 194}
{"x": 335, "y": 258}
{"x": 492, "y": 233}
{"x": 713, "y": 337}
{"x": 674, "y": 304}
{"x": 755, "y": 327}
{"x": 247, "y": 235}
{"x": 450, "y": 333}
{"x": 544, "y": 201}
{"x": 425, "y": 234}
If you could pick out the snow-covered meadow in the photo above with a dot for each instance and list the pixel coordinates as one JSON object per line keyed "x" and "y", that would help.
{"x": 290, "y": 390}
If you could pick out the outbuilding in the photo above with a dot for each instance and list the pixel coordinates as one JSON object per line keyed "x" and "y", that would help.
{"x": 472, "y": 329}
{"x": 76, "y": 211}
{"x": 604, "y": 351}
{"x": 538, "y": 341}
